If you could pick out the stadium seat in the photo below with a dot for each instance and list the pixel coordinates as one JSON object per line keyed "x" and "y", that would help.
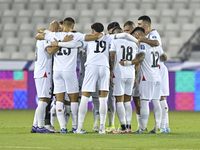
{"x": 26, "y": 48}
{"x": 22, "y": 34}
{"x": 72, "y": 13}
{"x": 26, "y": 27}
{"x": 159, "y": 27}
{"x": 114, "y": 6}
{"x": 164, "y": 41}
{"x": 183, "y": 16}
{"x": 18, "y": 6}
{"x": 87, "y": 13}
{"x": 145, "y": 6}
{"x": 39, "y": 16}
{"x": 2, "y": 40}
{"x": 189, "y": 27}
{"x": 31, "y": 56}
{"x": 55, "y": 14}
{"x": 186, "y": 35}
{"x": 18, "y": 56}
{"x": 7, "y": 19}
{"x": 10, "y": 49}
{"x": 178, "y": 5}
{"x": 84, "y": 20}
{"x": 34, "y": 6}
{"x": 172, "y": 51}
{"x": 50, "y": 5}
{"x": 172, "y": 29}
{"x": 81, "y": 6}
{"x": 120, "y": 13}
{"x": 194, "y": 6}
{"x": 65, "y": 6}
{"x": 78, "y": 27}
{"x": 4, "y": 6}
{"x": 136, "y": 13}
{"x": 103, "y": 13}
{"x": 4, "y": 56}
{"x": 28, "y": 41}
{"x": 41, "y": 25}
{"x": 10, "y": 27}
{"x": 96, "y": 6}
{"x": 10, "y": 13}
{"x": 162, "y": 6}
{"x": 129, "y": 6}
{"x": 24, "y": 16}
{"x": 101, "y": 19}
{"x": 7, "y": 34}
{"x": 12, "y": 41}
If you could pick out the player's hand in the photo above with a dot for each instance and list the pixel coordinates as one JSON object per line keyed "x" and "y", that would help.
{"x": 54, "y": 43}
{"x": 68, "y": 38}
{"x": 135, "y": 83}
{"x": 100, "y": 34}
{"x": 111, "y": 81}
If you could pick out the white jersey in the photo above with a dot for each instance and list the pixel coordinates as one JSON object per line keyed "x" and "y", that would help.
{"x": 154, "y": 35}
{"x": 98, "y": 51}
{"x": 65, "y": 58}
{"x": 43, "y": 62}
{"x": 123, "y": 49}
{"x": 150, "y": 66}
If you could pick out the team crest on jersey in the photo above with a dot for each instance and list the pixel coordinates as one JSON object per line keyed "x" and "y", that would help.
{"x": 154, "y": 37}
{"x": 142, "y": 47}
{"x": 109, "y": 46}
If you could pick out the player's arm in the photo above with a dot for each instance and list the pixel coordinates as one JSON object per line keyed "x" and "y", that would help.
{"x": 93, "y": 37}
{"x": 163, "y": 57}
{"x": 40, "y": 36}
{"x": 150, "y": 42}
{"x": 112, "y": 61}
{"x": 137, "y": 68}
{"x": 41, "y": 30}
{"x": 53, "y": 49}
{"x": 125, "y": 36}
{"x": 139, "y": 58}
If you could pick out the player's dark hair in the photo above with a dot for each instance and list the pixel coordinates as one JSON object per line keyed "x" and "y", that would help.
{"x": 138, "y": 29}
{"x": 68, "y": 22}
{"x": 61, "y": 22}
{"x": 74, "y": 31}
{"x": 112, "y": 25}
{"x": 129, "y": 23}
{"x": 117, "y": 27}
{"x": 145, "y": 18}
{"x": 98, "y": 27}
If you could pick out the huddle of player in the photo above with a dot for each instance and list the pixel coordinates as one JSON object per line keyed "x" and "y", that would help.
{"x": 120, "y": 65}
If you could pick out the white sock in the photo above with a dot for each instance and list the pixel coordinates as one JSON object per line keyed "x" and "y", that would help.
{"x": 167, "y": 119}
{"x": 144, "y": 113}
{"x": 74, "y": 114}
{"x": 41, "y": 109}
{"x": 139, "y": 120}
{"x": 128, "y": 110}
{"x": 164, "y": 108}
{"x": 60, "y": 114}
{"x": 103, "y": 110}
{"x": 111, "y": 109}
{"x": 67, "y": 112}
{"x": 53, "y": 115}
{"x": 95, "y": 109}
{"x": 121, "y": 113}
{"x": 157, "y": 112}
{"x": 83, "y": 107}
{"x": 35, "y": 120}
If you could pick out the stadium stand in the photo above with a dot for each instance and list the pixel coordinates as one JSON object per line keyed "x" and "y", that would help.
{"x": 174, "y": 19}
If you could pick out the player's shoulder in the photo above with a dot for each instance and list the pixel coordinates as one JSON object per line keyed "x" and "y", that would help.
{"x": 154, "y": 34}
{"x": 144, "y": 46}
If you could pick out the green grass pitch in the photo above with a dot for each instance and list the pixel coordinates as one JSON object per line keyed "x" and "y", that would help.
{"x": 15, "y": 134}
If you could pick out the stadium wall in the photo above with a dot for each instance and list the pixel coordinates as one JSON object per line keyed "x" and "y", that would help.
{"x": 17, "y": 86}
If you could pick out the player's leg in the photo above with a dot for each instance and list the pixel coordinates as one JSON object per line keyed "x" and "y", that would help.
{"x": 145, "y": 89}
{"x": 102, "y": 110}
{"x": 128, "y": 110}
{"x": 67, "y": 108}
{"x": 156, "y": 107}
{"x": 74, "y": 110}
{"x": 103, "y": 83}
{"x": 89, "y": 86}
{"x": 43, "y": 86}
{"x": 136, "y": 101}
{"x": 95, "y": 109}
{"x": 53, "y": 113}
{"x": 111, "y": 110}
{"x": 164, "y": 107}
{"x": 59, "y": 90}
{"x": 163, "y": 102}
{"x": 129, "y": 84}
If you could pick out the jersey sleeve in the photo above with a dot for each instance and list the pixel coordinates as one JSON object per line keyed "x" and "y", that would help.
{"x": 79, "y": 36}
{"x": 155, "y": 36}
{"x": 49, "y": 36}
{"x": 46, "y": 44}
{"x": 142, "y": 49}
{"x": 112, "y": 46}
